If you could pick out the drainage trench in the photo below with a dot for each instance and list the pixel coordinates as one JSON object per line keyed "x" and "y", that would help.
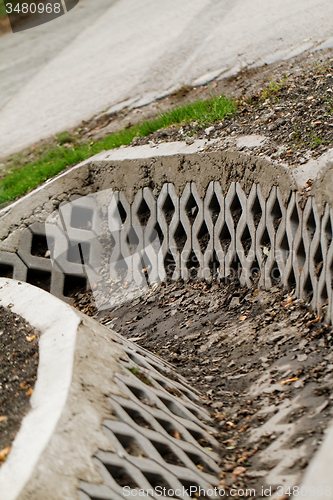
{"x": 211, "y": 237}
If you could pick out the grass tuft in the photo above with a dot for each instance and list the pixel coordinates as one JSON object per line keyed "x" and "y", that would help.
{"x": 22, "y": 179}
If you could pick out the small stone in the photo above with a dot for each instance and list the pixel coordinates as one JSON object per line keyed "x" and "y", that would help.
{"x": 234, "y": 302}
{"x": 272, "y": 127}
{"x": 302, "y": 357}
{"x": 152, "y": 144}
{"x": 280, "y": 121}
{"x": 217, "y": 405}
{"x": 189, "y": 140}
{"x": 209, "y": 130}
{"x": 266, "y": 118}
{"x": 302, "y": 344}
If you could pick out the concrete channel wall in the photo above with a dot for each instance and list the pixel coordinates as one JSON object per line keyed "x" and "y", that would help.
{"x": 217, "y": 214}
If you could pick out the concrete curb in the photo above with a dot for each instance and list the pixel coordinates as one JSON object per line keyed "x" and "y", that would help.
{"x": 85, "y": 409}
{"x": 58, "y": 326}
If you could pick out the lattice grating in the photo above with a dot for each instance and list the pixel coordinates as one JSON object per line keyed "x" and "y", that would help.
{"x": 217, "y": 236}
{"x": 160, "y": 433}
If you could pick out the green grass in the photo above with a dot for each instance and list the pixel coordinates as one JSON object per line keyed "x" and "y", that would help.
{"x": 273, "y": 88}
{"x": 3, "y": 12}
{"x": 22, "y": 179}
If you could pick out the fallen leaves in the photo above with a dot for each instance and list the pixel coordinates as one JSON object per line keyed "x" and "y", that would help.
{"x": 231, "y": 424}
{"x": 26, "y": 387}
{"x": 242, "y": 318}
{"x": 288, "y": 381}
{"x": 30, "y": 338}
{"x": 247, "y": 455}
{"x": 286, "y": 303}
{"x": 176, "y": 434}
{"x": 238, "y": 470}
{"x": 243, "y": 428}
{"x": 4, "y": 452}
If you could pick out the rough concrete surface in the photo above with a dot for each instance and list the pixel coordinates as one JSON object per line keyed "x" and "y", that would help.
{"x": 133, "y": 169}
{"x": 94, "y": 58}
{"x": 129, "y": 169}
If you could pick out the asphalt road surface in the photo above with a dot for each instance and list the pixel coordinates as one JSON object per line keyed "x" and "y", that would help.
{"x": 107, "y": 51}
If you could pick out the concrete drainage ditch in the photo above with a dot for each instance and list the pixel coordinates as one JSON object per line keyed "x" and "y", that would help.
{"x": 215, "y": 215}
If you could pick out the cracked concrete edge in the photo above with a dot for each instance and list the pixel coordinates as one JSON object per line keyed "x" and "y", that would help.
{"x": 130, "y": 168}
{"x": 59, "y": 435}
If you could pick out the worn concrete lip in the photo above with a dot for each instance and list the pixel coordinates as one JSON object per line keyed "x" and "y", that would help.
{"x": 161, "y": 149}
{"x": 58, "y": 325}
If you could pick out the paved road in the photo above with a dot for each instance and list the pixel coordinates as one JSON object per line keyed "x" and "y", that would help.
{"x": 107, "y": 51}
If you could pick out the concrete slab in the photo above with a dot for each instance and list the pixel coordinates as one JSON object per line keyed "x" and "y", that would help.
{"x": 150, "y": 151}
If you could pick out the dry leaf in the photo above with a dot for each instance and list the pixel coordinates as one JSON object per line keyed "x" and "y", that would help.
{"x": 247, "y": 455}
{"x": 238, "y": 470}
{"x": 243, "y": 428}
{"x": 242, "y": 318}
{"x": 265, "y": 251}
{"x": 176, "y": 434}
{"x": 4, "y": 452}
{"x": 3, "y": 418}
{"x": 255, "y": 293}
{"x": 30, "y": 338}
{"x": 24, "y": 385}
{"x": 29, "y": 392}
{"x": 288, "y": 381}
{"x": 231, "y": 424}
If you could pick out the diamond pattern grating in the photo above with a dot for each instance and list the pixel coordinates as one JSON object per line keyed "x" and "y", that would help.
{"x": 217, "y": 236}
{"x": 160, "y": 432}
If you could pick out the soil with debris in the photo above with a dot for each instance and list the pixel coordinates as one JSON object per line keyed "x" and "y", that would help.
{"x": 263, "y": 361}
{"x": 293, "y": 115}
{"x": 289, "y": 104}
{"x": 18, "y": 373}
